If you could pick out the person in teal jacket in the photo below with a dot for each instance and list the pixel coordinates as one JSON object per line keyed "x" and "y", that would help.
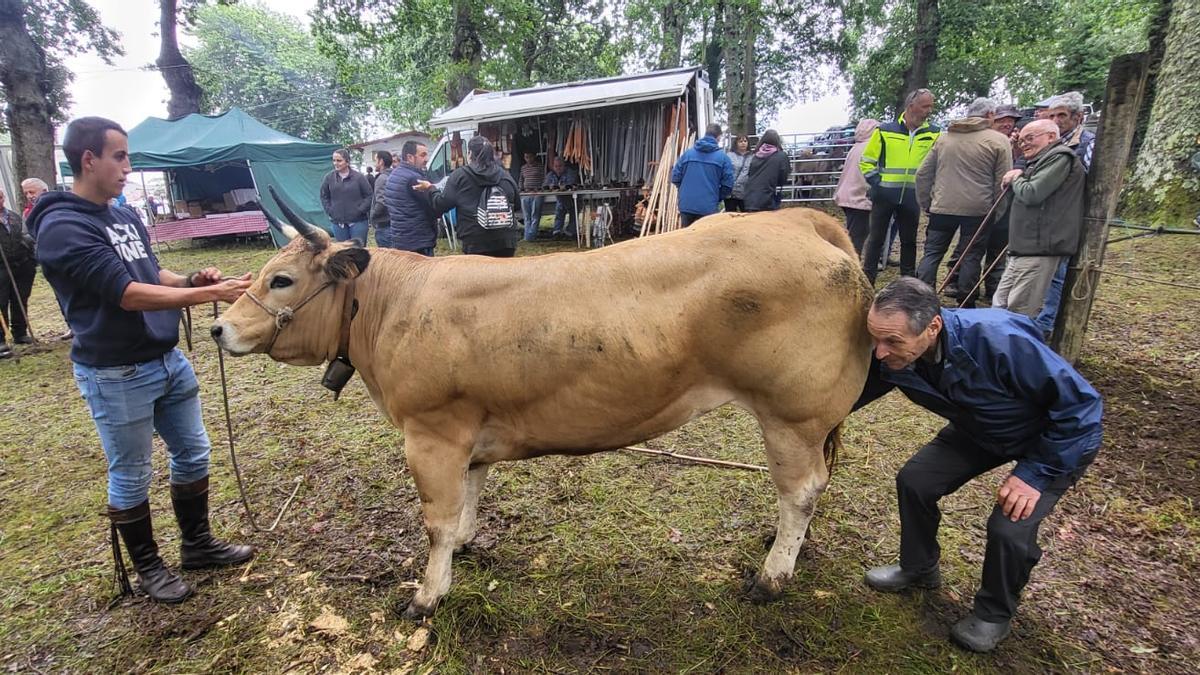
{"x": 1008, "y": 397}
{"x": 704, "y": 176}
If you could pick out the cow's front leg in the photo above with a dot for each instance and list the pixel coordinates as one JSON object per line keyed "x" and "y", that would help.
{"x": 798, "y": 469}
{"x": 467, "y": 525}
{"x": 439, "y": 465}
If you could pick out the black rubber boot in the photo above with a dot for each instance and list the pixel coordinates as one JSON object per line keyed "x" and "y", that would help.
{"x": 893, "y": 579}
{"x": 199, "y": 548}
{"x": 978, "y": 635}
{"x": 155, "y": 580}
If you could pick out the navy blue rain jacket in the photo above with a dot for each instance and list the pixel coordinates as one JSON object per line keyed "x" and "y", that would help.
{"x": 1005, "y": 388}
{"x": 410, "y": 214}
{"x": 704, "y": 176}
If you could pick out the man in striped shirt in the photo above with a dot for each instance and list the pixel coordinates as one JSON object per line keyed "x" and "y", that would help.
{"x": 533, "y": 172}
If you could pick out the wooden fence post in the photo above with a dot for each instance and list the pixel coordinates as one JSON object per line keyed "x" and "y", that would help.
{"x": 1110, "y": 157}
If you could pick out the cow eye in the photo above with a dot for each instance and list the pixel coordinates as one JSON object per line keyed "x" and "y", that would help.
{"x": 280, "y": 282}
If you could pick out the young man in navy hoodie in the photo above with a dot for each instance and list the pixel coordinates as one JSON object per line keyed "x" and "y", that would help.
{"x": 124, "y": 311}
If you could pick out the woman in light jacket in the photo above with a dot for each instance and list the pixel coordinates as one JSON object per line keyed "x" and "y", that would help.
{"x": 852, "y": 187}
{"x": 740, "y": 155}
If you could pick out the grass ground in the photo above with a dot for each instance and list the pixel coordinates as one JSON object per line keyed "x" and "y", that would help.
{"x": 616, "y": 562}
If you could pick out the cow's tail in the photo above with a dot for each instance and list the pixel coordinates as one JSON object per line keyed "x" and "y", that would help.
{"x": 828, "y": 228}
{"x": 833, "y": 448}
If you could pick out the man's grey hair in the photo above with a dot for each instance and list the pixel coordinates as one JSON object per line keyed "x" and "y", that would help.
{"x": 916, "y": 94}
{"x": 981, "y": 107}
{"x": 34, "y": 182}
{"x": 913, "y": 298}
{"x": 1072, "y": 101}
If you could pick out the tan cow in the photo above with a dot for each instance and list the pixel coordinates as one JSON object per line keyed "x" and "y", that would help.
{"x": 482, "y": 360}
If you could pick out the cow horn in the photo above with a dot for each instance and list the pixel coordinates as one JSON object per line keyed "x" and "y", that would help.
{"x": 287, "y": 230}
{"x": 311, "y": 232}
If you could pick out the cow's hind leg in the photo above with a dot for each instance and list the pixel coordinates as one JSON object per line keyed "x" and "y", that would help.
{"x": 467, "y": 525}
{"x": 797, "y": 463}
{"x": 438, "y": 461}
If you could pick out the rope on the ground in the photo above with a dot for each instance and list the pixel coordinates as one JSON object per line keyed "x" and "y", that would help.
{"x": 237, "y": 470}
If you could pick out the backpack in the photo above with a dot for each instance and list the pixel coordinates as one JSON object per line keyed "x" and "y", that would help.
{"x": 495, "y": 212}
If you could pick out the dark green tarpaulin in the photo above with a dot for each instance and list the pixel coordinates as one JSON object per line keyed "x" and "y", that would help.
{"x": 295, "y": 167}
{"x": 158, "y": 144}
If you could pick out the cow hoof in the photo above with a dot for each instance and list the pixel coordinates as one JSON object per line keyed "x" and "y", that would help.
{"x": 762, "y": 591}
{"x": 415, "y": 612}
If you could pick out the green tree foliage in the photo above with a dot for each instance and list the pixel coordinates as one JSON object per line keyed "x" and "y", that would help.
{"x": 1019, "y": 50}
{"x": 67, "y": 27}
{"x": 399, "y": 55}
{"x": 772, "y": 52}
{"x": 269, "y": 65}
{"x": 1093, "y": 33}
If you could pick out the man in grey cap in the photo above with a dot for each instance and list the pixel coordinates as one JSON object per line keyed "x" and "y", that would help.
{"x": 1006, "y": 119}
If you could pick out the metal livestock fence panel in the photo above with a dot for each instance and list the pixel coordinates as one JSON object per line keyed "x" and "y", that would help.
{"x": 817, "y": 159}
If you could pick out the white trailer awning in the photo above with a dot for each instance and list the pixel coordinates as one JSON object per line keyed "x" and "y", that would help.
{"x": 558, "y": 98}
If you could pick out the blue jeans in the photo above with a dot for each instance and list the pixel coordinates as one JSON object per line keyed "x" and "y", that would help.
{"x": 1049, "y": 314}
{"x": 129, "y": 403}
{"x": 531, "y": 207}
{"x": 347, "y": 231}
{"x": 564, "y": 209}
{"x": 383, "y": 236}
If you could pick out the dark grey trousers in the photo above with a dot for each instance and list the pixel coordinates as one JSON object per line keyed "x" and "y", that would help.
{"x": 941, "y": 467}
{"x": 938, "y": 236}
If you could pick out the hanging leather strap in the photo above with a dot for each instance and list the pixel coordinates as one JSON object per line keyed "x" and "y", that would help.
{"x": 349, "y": 309}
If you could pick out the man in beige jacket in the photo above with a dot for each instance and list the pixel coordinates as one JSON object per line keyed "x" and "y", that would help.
{"x": 957, "y": 184}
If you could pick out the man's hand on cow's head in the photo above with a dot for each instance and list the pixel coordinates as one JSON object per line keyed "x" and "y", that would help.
{"x": 230, "y": 290}
{"x": 1017, "y": 498}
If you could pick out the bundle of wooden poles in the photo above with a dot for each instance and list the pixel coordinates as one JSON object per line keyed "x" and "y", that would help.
{"x": 577, "y": 147}
{"x": 662, "y": 206}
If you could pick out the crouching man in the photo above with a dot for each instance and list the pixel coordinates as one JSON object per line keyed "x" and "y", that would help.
{"x": 124, "y": 311}
{"x": 1007, "y": 397}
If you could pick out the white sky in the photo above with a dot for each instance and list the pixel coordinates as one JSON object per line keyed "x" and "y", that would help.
{"x": 126, "y": 94}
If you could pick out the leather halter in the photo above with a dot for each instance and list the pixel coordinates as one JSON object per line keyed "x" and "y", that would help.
{"x": 284, "y": 315}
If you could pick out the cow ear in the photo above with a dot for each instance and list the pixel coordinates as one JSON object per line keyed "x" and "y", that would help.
{"x": 347, "y": 263}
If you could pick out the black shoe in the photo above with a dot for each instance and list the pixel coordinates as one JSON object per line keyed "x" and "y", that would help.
{"x": 155, "y": 580}
{"x": 978, "y": 635}
{"x": 892, "y": 579}
{"x": 23, "y": 340}
{"x": 5, "y": 351}
{"x": 198, "y": 547}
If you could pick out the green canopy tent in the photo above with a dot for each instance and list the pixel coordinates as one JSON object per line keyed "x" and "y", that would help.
{"x": 211, "y": 154}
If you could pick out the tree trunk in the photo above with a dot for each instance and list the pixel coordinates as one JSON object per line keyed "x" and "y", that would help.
{"x": 925, "y": 39}
{"x": 1164, "y": 188}
{"x": 466, "y": 55}
{"x": 176, "y": 71}
{"x": 672, "y": 36}
{"x": 741, "y": 28}
{"x": 25, "y": 82}
{"x": 714, "y": 50}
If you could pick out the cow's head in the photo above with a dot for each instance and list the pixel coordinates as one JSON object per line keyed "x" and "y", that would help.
{"x": 293, "y": 310}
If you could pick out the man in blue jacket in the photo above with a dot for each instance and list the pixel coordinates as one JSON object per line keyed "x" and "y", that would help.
{"x": 1007, "y": 397}
{"x": 410, "y": 215}
{"x": 704, "y": 176}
